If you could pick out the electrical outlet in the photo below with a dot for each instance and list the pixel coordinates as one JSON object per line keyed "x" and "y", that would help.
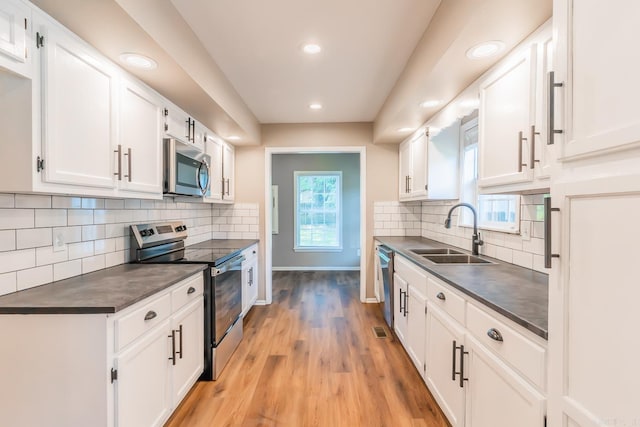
{"x": 58, "y": 243}
{"x": 525, "y": 230}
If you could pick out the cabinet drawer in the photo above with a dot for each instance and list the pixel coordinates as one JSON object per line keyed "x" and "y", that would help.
{"x": 136, "y": 323}
{"x": 445, "y": 299}
{"x": 520, "y": 352}
{"x": 191, "y": 289}
{"x": 414, "y": 276}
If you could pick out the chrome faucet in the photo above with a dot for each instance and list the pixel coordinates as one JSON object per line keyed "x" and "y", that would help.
{"x": 476, "y": 240}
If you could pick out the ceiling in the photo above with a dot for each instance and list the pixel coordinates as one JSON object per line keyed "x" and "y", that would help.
{"x": 235, "y": 65}
{"x": 258, "y": 45}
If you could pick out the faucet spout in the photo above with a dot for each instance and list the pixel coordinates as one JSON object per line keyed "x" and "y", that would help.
{"x": 476, "y": 241}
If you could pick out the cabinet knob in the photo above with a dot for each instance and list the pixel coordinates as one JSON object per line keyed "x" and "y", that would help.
{"x": 150, "y": 315}
{"x": 441, "y": 296}
{"x": 495, "y": 334}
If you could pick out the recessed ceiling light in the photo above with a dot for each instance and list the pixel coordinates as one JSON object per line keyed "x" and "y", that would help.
{"x": 311, "y": 48}
{"x": 485, "y": 49}
{"x": 138, "y": 61}
{"x": 405, "y": 129}
{"x": 315, "y": 106}
{"x": 430, "y": 103}
{"x": 233, "y": 138}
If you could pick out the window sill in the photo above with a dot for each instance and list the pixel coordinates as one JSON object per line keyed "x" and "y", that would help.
{"x": 316, "y": 249}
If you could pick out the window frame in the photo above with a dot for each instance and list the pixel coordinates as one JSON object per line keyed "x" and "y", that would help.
{"x": 464, "y": 218}
{"x": 297, "y": 247}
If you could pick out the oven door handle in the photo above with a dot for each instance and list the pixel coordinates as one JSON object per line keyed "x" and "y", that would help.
{"x": 228, "y": 265}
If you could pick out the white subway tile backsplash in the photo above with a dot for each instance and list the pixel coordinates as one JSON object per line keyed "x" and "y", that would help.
{"x": 64, "y": 270}
{"x": 94, "y": 263}
{"x": 80, "y": 217}
{"x": 8, "y": 283}
{"x": 523, "y": 259}
{"x": 116, "y": 258}
{"x": 7, "y": 201}
{"x": 80, "y": 250}
{"x": 33, "y": 201}
{"x": 33, "y": 238}
{"x": 7, "y": 240}
{"x": 132, "y": 204}
{"x": 34, "y": 277}
{"x": 16, "y": 218}
{"x": 68, "y": 234}
{"x": 104, "y": 246}
{"x": 65, "y": 202}
{"x": 17, "y": 260}
{"x": 90, "y": 203}
{"x": 114, "y": 204}
{"x": 93, "y": 232}
{"x": 50, "y": 217}
{"x": 46, "y": 255}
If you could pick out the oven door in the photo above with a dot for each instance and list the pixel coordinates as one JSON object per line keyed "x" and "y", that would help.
{"x": 226, "y": 281}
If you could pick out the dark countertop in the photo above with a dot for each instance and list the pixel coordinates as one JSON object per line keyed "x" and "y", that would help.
{"x": 233, "y": 245}
{"x": 518, "y": 293}
{"x": 104, "y": 291}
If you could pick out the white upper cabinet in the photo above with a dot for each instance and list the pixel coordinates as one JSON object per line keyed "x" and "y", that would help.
{"x": 79, "y": 112}
{"x": 140, "y": 139}
{"x": 598, "y": 65}
{"x": 14, "y": 21}
{"x": 228, "y": 172}
{"x": 514, "y": 155}
{"x": 214, "y": 147}
{"x": 428, "y": 166}
{"x": 179, "y": 125}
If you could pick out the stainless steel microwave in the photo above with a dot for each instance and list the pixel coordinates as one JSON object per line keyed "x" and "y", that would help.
{"x": 187, "y": 170}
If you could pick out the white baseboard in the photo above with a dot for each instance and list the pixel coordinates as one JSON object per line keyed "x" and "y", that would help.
{"x": 315, "y": 268}
{"x": 371, "y": 301}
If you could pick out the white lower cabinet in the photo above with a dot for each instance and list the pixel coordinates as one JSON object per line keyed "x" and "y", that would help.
{"x": 249, "y": 278}
{"x": 482, "y": 369}
{"x": 131, "y": 368}
{"x": 496, "y": 395}
{"x": 444, "y": 338}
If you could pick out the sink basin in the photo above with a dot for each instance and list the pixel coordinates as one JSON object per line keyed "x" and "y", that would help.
{"x": 457, "y": 259}
{"x": 435, "y": 251}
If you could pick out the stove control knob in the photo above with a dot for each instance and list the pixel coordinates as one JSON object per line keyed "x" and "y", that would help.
{"x": 143, "y": 233}
{"x": 184, "y": 227}
{"x": 151, "y": 232}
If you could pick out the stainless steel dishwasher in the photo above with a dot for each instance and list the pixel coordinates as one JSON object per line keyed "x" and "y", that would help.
{"x": 386, "y": 266}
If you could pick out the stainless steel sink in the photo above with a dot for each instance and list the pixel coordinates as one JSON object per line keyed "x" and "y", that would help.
{"x": 457, "y": 259}
{"x": 435, "y": 251}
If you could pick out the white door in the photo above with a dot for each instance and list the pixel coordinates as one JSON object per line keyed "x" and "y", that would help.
{"x": 417, "y": 327}
{"x": 143, "y": 395}
{"x": 404, "y": 170}
{"x": 599, "y": 63}
{"x": 78, "y": 114}
{"x": 140, "y": 139}
{"x": 400, "y": 320}
{"x": 228, "y": 172}
{"x": 444, "y": 338}
{"x": 419, "y": 172}
{"x": 593, "y": 303}
{"x": 13, "y": 30}
{"x": 496, "y": 395}
{"x": 187, "y": 325}
{"x": 505, "y": 117}
{"x": 213, "y": 147}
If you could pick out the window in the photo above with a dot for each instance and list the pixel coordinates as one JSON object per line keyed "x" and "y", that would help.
{"x": 495, "y": 212}
{"x": 318, "y": 211}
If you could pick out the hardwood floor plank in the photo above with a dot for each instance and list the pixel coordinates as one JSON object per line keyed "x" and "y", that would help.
{"x": 312, "y": 359}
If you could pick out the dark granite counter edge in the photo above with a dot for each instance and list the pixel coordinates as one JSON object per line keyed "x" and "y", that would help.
{"x": 510, "y": 315}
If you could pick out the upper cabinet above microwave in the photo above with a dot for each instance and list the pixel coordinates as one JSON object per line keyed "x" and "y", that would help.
{"x": 15, "y": 19}
{"x": 513, "y": 152}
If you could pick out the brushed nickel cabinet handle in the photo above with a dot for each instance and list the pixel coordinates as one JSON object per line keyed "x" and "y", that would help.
{"x": 128, "y": 154}
{"x": 150, "y": 315}
{"x": 551, "y": 130}
{"x": 173, "y": 347}
{"x": 547, "y": 232}
{"x": 533, "y": 147}
{"x": 521, "y": 140}
{"x": 119, "y": 152}
{"x": 494, "y": 334}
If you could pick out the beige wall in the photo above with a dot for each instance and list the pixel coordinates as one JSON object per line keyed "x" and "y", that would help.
{"x": 381, "y": 169}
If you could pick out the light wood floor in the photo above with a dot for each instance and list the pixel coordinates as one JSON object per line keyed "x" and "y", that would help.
{"x": 311, "y": 359}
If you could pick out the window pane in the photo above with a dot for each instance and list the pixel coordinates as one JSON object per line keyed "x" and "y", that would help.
{"x": 318, "y": 210}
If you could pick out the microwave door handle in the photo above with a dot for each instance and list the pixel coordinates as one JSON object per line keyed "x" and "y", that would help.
{"x": 204, "y": 187}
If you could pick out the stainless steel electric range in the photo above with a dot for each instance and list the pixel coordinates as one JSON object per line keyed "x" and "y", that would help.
{"x": 164, "y": 243}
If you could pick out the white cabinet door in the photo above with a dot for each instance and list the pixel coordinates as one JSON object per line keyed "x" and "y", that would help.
{"x": 404, "y": 170}
{"x": 228, "y": 172}
{"x": 542, "y": 156}
{"x": 13, "y": 30}
{"x": 249, "y": 283}
{"x": 593, "y": 302}
{"x": 213, "y": 147}
{"x": 199, "y": 135}
{"x": 140, "y": 139}
{"x": 400, "y": 320}
{"x": 598, "y": 63}
{"x": 187, "y": 325}
{"x": 143, "y": 395}
{"x": 419, "y": 166}
{"x": 417, "y": 327}
{"x": 444, "y": 337}
{"x": 178, "y": 124}
{"x": 496, "y": 396}
{"x": 79, "y": 113}
{"x": 506, "y": 101}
